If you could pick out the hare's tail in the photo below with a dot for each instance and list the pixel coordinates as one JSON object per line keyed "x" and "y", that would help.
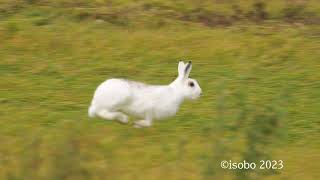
{"x": 92, "y": 111}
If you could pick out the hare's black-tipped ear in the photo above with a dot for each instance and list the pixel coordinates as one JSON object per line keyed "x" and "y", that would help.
{"x": 187, "y": 69}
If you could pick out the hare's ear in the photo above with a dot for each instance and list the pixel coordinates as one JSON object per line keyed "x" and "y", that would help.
{"x": 187, "y": 70}
{"x": 181, "y": 68}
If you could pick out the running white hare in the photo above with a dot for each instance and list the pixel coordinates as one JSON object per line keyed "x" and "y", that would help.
{"x": 115, "y": 98}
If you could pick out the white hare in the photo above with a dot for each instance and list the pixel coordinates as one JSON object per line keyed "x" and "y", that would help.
{"x": 115, "y": 98}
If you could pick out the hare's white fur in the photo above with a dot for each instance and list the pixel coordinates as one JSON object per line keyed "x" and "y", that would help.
{"x": 115, "y": 98}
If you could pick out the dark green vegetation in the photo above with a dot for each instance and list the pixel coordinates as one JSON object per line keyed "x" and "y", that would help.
{"x": 257, "y": 63}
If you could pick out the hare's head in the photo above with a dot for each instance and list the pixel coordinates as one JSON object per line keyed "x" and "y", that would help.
{"x": 189, "y": 88}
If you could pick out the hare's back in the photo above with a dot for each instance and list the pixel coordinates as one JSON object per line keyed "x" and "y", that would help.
{"x": 111, "y": 94}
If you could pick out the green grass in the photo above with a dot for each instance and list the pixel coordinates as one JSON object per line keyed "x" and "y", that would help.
{"x": 261, "y": 97}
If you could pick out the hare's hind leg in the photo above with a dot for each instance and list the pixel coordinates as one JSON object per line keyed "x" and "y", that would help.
{"x": 105, "y": 114}
{"x": 147, "y": 122}
{"x": 142, "y": 123}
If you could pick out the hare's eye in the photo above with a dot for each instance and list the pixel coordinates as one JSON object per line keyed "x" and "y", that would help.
{"x": 191, "y": 84}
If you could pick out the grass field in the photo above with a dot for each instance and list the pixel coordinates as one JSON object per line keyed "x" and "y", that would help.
{"x": 259, "y": 76}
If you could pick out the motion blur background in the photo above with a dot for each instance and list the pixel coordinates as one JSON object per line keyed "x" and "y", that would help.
{"x": 256, "y": 61}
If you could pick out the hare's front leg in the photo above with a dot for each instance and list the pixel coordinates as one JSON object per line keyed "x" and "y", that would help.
{"x": 147, "y": 122}
{"x": 105, "y": 114}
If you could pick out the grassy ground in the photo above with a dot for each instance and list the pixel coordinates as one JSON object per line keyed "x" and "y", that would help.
{"x": 261, "y": 96}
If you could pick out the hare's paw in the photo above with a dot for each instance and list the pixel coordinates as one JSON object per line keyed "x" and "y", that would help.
{"x": 142, "y": 123}
{"x": 123, "y": 118}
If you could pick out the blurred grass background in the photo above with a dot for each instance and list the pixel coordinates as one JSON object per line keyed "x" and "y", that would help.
{"x": 256, "y": 61}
